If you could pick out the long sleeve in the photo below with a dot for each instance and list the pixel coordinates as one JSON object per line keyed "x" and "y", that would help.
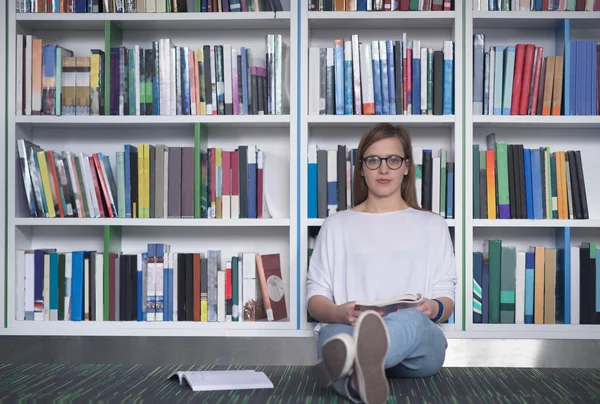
{"x": 319, "y": 278}
{"x": 444, "y": 273}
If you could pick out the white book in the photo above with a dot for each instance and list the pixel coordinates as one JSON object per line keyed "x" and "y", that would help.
{"x": 213, "y": 81}
{"x": 221, "y": 296}
{"x": 28, "y": 67}
{"x": 240, "y": 302}
{"x": 366, "y": 68}
{"x": 151, "y": 5}
{"x": 142, "y": 266}
{"x": 99, "y": 287}
{"x": 435, "y": 185}
{"x": 159, "y": 276}
{"x": 211, "y": 380}
{"x": 151, "y": 286}
{"x": 46, "y": 309}
{"x": 29, "y": 286}
{"x": 174, "y": 266}
{"x": 86, "y": 288}
{"x": 161, "y": 6}
{"x": 20, "y": 282}
{"x": 520, "y": 289}
{"x": 85, "y": 172}
{"x": 423, "y": 81}
{"x": 356, "y": 74}
{"x": 68, "y": 277}
{"x": 249, "y": 285}
{"x": 575, "y": 279}
{"x": 228, "y": 77}
{"x": 314, "y": 80}
{"x": 19, "y": 89}
{"x": 164, "y": 75}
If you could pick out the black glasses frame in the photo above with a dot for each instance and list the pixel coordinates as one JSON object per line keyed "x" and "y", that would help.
{"x": 381, "y": 159}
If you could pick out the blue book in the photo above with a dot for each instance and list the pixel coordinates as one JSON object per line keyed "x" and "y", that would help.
{"x": 140, "y": 289}
{"x": 338, "y": 65}
{"x": 244, "y": 82}
{"x": 529, "y": 286}
{"x": 450, "y": 192}
{"x": 383, "y": 65}
{"x": 536, "y": 183}
{"x": 77, "y": 286}
{"x": 509, "y": 72}
{"x": 376, "y": 78}
{"x": 361, "y": 5}
{"x": 528, "y": 184}
{"x": 477, "y": 290}
{"x": 185, "y": 72}
{"x": 448, "y": 94}
{"x": 391, "y": 69}
{"x": 348, "y": 80}
{"x": 416, "y": 78}
{"x": 498, "y": 74}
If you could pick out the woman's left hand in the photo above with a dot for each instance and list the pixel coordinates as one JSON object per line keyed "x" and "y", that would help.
{"x": 429, "y": 308}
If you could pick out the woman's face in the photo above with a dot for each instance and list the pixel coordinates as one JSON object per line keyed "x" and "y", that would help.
{"x": 384, "y": 177}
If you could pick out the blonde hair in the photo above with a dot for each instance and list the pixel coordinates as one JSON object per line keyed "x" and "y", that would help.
{"x": 408, "y": 189}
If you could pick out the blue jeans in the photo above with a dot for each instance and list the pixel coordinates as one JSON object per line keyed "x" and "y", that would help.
{"x": 417, "y": 346}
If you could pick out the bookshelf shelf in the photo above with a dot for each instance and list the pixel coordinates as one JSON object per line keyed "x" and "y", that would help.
{"x": 154, "y": 21}
{"x": 544, "y": 331}
{"x": 533, "y": 19}
{"x": 167, "y": 120}
{"x": 537, "y": 121}
{"x": 319, "y": 222}
{"x": 152, "y": 222}
{"x": 556, "y": 223}
{"x": 366, "y": 19}
{"x": 159, "y": 328}
{"x": 367, "y": 120}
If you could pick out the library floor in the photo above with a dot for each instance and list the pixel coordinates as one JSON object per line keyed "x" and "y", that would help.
{"x": 293, "y": 384}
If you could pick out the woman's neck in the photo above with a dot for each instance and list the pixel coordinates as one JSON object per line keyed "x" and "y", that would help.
{"x": 383, "y": 205}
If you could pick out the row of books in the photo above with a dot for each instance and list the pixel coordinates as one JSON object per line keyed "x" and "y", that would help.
{"x": 543, "y": 285}
{"x": 380, "y": 5}
{"x": 520, "y": 80}
{"x": 153, "y": 285}
{"x": 144, "y": 6}
{"x": 381, "y": 78}
{"x": 164, "y": 80}
{"x": 536, "y": 5}
{"x": 331, "y": 179}
{"x": 152, "y": 181}
{"x": 514, "y": 182}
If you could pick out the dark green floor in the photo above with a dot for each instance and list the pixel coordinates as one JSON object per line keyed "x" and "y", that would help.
{"x": 293, "y": 384}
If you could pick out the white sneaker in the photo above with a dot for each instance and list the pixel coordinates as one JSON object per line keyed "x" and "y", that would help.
{"x": 371, "y": 340}
{"x": 337, "y": 358}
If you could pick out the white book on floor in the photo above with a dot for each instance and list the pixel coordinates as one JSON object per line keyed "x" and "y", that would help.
{"x": 211, "y": 380}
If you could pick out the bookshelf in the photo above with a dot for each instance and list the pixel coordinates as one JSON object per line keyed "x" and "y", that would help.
{"x": 547, "y": 30}
{"x": 3, "y": 122}
{"x": 327, "y": 131}
{"x": 287, "y": 138}
{"x": 273, "y": 134}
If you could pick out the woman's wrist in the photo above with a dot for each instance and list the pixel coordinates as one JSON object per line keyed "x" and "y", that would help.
{"x": 440, "y": 312}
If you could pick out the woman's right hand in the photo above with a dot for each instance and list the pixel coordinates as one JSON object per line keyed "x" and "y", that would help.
{"x": 346, "y": 314}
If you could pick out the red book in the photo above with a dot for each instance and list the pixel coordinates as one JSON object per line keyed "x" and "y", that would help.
{"x": 527, "y": 75}
{"x": 517, "y": 79}
{"x": 104, "y": 185}
{"x": 97, "y": 193}
{"x": 536, "y": 80}
{"x": 404, "y": 5}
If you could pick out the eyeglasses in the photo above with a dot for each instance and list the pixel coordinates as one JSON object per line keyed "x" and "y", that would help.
{"x": 393, "y": 162}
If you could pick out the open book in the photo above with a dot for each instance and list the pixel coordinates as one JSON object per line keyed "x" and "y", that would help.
{"x": 387, "y": 306}
{"x": 209, "y": 380}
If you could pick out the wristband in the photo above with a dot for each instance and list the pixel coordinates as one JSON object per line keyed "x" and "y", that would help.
{"x": 440, "y": 311}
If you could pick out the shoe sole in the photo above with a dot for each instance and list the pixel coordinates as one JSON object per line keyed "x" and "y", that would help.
{"x": 336, "y": 360}
{"x": 371, "y": 339}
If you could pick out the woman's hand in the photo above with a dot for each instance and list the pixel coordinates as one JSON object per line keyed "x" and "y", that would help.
{"x": 346, "y": 314}
{"x": 429, "y": 308}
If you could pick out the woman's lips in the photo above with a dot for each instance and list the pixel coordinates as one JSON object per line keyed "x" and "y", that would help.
{"x": 383, "y": 181}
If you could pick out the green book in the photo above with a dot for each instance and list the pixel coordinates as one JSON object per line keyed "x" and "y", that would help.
{"x": 494, "y": 266}
{"x": 508, "y": 284}
{"x": 476, "y": 196}
{"x": 502, "y": 175}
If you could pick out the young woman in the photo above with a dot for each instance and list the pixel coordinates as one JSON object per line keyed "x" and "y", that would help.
{"x": 383, "y": 247}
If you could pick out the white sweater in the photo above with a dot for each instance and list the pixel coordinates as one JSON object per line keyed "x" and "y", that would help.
{"x": 375, "y": 256}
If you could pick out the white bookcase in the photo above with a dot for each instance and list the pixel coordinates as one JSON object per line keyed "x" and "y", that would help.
{"x": 276, "y": 135}
{"x": 430, "y": 131}
{"x": 557, "y": 132}
{"x": 286, "y": 139}
{"x": 3, "y": 118}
